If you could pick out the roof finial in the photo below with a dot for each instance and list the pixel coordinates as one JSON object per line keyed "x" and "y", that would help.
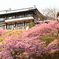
{"x": 34, "y": 6}
{"x": 9, "y": 8}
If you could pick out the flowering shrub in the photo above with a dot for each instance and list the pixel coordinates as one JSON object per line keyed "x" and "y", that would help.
{"x": 39, "y": 42}
{"x": 5, "y": 35}
{"x": 16, "y": 49}
{"x": 41, "y": 29}
{"x": 16, "y": 31}
{"x": 1, "y": 37}
{"x": 2, "y": 31}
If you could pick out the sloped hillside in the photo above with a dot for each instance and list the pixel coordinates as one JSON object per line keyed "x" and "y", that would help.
{"x": 13, "y": 34}
{"x": 41, "y": 29}
{"x": 39, "y": 42}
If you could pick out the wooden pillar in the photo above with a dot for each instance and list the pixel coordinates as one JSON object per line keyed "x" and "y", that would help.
{"x": 6, "y": 26}
{"x": 24, "y": 24}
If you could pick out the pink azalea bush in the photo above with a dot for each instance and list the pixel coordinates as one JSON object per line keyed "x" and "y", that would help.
{"x": 39, "y": 42}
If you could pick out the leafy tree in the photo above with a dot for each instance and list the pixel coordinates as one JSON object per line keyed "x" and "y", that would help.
{"x": 50, "y": 12}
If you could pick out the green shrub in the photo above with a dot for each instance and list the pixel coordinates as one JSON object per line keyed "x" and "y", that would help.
{"x": 31, "y": 24}
{"x": 48, "y": 39}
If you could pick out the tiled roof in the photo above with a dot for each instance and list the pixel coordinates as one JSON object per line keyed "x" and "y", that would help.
{"x": 17, "y": 10}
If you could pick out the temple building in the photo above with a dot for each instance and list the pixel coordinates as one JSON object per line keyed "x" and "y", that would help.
{"x": 20, "y": 18}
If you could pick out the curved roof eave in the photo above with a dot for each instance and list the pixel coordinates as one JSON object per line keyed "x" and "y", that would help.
{"x": 15, "y": 11}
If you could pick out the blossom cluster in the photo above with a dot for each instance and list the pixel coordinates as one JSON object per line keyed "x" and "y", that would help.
{"x": 39, "y": 42}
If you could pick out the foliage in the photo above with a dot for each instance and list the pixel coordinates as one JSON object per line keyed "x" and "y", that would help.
{"x": 41, "y": 29}
{"x": 50, "y": 13}
{"x": 16, "y": 31}
{"x": 2, "y": 31}
{"x": 31, "y": 24}
{"x": 5, "y": 35}
{"x": 39, "y": 42}
{"x": 1, "y": 37}
{"x": 57, "y": 14}
{"x": 48, "y": 39}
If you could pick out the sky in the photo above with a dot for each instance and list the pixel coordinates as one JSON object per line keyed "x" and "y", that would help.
{"x": 18, "y": 4}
